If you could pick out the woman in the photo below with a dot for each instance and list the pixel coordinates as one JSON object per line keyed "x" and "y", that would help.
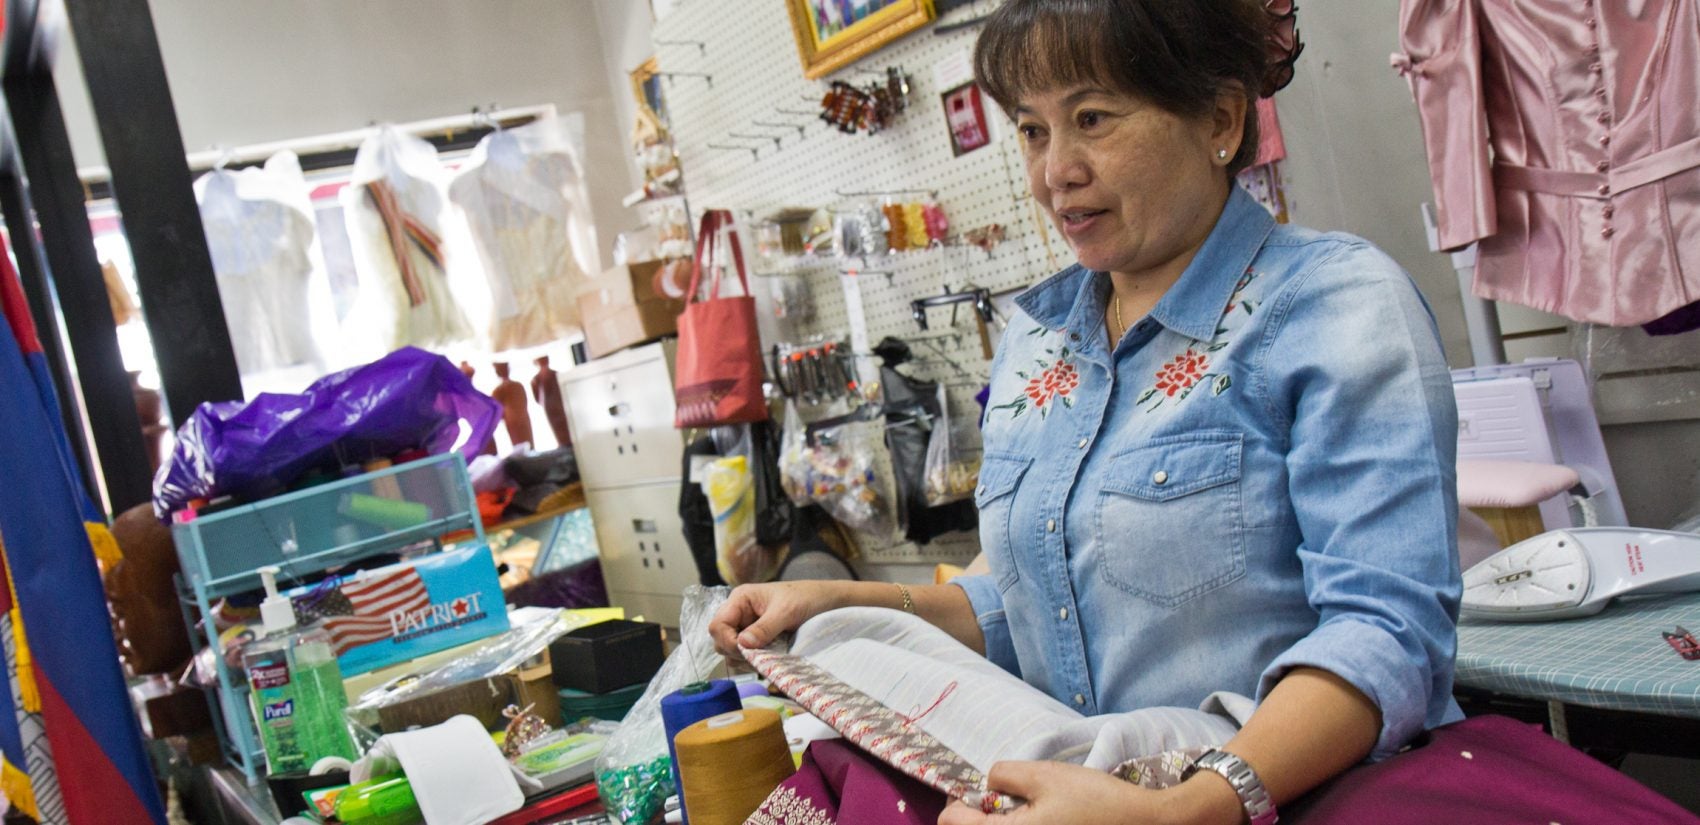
{"x": 1219, "y": 453}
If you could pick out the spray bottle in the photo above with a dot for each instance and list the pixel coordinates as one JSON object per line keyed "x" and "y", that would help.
{"x": 298, "y": 698}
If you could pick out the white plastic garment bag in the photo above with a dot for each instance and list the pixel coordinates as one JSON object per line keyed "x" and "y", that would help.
{"x": 261, "y": 237}
{"x": 411, "y": 291}
{"x": 523, "y": 195}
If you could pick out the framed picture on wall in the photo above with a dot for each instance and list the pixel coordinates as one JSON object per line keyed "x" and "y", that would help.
{"x": 965, "y": 114}
{"x": 834, "y": 33}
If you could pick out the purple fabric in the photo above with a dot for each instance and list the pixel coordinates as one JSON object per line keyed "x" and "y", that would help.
{"x": 1485, "y": 771}
{"x": 1676, "y": 323}
{"x": 409, "y": 399}
{"x": 578, "y": 586}
{"x": 845, "y": 785}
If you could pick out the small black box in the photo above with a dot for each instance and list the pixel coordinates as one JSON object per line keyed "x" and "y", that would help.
{"x": 607, "y": 656}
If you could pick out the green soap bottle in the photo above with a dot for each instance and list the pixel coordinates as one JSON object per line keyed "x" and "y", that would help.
{"x": 297, "y": 693}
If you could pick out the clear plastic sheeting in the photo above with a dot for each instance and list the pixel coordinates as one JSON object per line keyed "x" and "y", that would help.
{"x": 534, "y": 629}
{"x": 524, "y": 198}
{"x": 632, "y": 773}
{"x": 261, "y": 234}
{"x": 409, "y": 292}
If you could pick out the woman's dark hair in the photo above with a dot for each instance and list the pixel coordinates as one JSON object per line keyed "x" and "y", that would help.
{"x": 1177, "y": 54}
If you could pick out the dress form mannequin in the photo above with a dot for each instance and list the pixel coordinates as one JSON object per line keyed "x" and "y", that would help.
{"x": 515, "y": 416}
{"x": 546, "y": 388}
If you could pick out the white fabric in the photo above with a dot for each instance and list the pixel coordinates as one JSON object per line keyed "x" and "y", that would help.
{"x": 261, "y": 236}
{"x": 458, "y": 774}
{"x": 990, "y": 715}
{"x": 382, "y": 318}
{"x": 523, "y": 196}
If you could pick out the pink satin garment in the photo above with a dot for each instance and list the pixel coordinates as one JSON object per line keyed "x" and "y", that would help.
{"x": 1564, "y": 136}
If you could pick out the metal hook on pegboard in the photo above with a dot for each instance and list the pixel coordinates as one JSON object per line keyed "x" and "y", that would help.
{"x": 802, "y": 128}
{"x": 774, "y": 138}
{"x": 931, "y": 193}
{"x": 754, "y": 153}
{"x": 702, "y": 48}
{"x": 708, "y": 78}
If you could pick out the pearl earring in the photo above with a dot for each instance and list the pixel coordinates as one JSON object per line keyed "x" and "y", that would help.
{"x": 1221, "y": 154}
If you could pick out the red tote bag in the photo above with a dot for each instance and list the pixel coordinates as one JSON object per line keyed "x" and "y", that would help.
{"x": 719, "y": 376}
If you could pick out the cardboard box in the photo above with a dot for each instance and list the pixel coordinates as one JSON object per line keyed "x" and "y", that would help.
{"x": 529, "y": 684}
{"x": 611, "y": 328}
{"x": 623, "y": 286}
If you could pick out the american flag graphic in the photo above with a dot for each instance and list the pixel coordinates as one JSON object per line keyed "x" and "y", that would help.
{"x": 358, "y": 612}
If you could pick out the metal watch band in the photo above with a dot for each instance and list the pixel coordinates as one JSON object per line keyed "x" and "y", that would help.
{"x": 1259, "y": 807}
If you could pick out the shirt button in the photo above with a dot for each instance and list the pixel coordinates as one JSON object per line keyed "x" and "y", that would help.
{"x": 1603, "y": 117}
{"x": 1080, "y": 698}
{"x": 1604, "y": 189}
{"x": 1607, "y": 232}
{"x": 1608, "y": 211}
{"x": 1160, "y": 477}
{"x": 1591, "y": 23}
{"x": 1605, "y": 140}
{"x": 1051, "y": 526}
{"x": 1082, "y": 444}
{"x": 1074, "y": 336}
{"x": 1603, "y": 165}
{"x": 1597, "y": 68}
{"x": 1063, "y": 614}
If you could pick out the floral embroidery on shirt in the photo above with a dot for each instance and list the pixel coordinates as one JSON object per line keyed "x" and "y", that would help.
{"x": 1178, "y": 378}
{"x": 1052, "y": 383}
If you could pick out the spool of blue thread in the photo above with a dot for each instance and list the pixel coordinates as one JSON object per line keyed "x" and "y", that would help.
{"x": 687, "y": 706}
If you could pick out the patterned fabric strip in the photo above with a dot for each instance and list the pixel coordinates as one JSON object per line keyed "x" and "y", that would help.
{"x": 401, "y": 228}
{"x": 877, "y": 729}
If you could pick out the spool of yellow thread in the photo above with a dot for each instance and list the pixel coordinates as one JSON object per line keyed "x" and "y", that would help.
{"x": 730, "y": 763}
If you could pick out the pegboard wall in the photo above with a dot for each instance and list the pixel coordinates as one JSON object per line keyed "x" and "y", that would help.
{"x": 731, "y": 67}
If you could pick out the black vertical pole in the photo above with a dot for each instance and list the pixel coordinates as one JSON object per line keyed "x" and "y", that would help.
{"x": 44, "y": 146}
{"x": 150, "y": 180}
{"x": 32, "y": 273}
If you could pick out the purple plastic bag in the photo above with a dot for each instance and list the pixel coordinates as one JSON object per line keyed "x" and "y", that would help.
{"x": 409, "y": 399}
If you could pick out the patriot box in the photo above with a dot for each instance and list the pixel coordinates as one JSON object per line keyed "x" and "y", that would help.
{"x": 380, "y": 617}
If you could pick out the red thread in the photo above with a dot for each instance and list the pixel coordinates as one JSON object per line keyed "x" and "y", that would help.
{"x": 948, "y": 690}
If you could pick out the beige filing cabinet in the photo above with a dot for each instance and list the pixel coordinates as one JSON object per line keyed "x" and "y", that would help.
{"x": 629, "y": 455}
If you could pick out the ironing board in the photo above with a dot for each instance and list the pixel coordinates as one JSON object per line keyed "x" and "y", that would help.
{"x": 1616, "y": 660}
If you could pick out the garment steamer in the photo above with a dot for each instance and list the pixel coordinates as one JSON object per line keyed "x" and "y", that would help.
{"x": 1566, "y": 574}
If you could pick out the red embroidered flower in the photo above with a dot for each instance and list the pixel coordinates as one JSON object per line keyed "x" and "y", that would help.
{"x": 1183, "y": 372}
{"x": 1059, "y": 379}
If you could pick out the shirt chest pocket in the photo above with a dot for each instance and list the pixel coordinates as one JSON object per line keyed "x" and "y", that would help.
{"x": 1170, "y": 520}
{"x": 995, "y": 498}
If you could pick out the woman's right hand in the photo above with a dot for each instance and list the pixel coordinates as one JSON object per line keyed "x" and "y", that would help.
{"x": 757, "y": 613}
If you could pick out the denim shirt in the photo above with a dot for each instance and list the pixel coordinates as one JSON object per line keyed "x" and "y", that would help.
{"x": 1258, "y": 476}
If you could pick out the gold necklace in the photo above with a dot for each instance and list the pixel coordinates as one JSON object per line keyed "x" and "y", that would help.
{"x": 1121, "y": 326}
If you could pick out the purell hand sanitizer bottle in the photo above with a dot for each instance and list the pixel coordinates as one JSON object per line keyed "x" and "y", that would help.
{"x": 298, "y": 698}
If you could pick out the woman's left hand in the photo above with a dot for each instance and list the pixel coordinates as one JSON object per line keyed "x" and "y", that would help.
{"x": 1059, "y": 793}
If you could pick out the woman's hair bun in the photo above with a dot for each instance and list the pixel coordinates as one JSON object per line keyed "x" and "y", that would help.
{"x": 1283, "y": 45}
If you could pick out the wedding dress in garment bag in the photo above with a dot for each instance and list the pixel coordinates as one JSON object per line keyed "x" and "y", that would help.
{"x": 394, "y": 206}
{"x": 523, "y": 195}
{"x": 260, "y": 234}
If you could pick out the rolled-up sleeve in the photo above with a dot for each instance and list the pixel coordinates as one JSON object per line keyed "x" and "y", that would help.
{"x": 1355, "y": 371}
{"x": 987, "y": 602}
